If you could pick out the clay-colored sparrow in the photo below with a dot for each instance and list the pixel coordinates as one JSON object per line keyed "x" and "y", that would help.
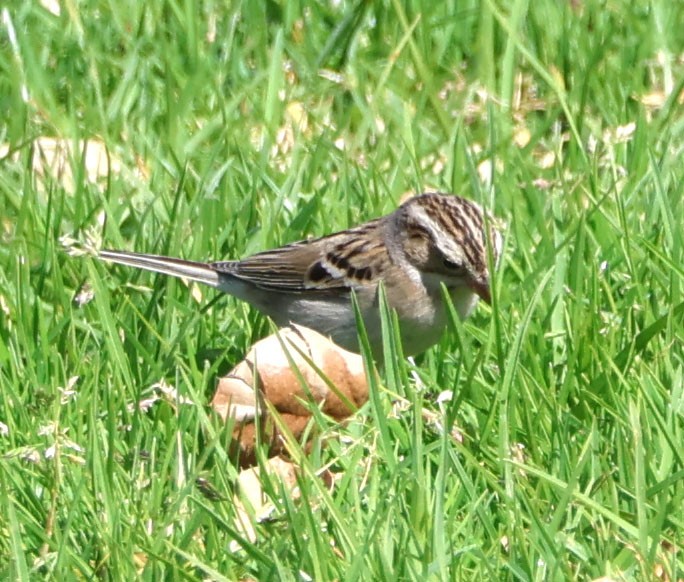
{"x": 429, "y": 240}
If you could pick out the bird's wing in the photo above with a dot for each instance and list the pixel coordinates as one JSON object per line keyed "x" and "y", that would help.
{"x": 348, "y": 259}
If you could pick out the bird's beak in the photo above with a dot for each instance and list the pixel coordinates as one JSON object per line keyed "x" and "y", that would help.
{"x": 481, "y": 287}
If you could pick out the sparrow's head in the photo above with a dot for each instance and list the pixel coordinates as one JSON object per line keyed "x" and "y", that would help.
{"x": 444, "y": 237}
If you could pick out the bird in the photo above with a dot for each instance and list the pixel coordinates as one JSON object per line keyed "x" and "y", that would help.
{"x": 430, "y": 240}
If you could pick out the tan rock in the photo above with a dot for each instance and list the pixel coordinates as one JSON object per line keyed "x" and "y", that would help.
{"x": 291, "y": 370}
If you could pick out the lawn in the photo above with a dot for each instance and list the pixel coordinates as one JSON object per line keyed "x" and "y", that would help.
{"x": 541, "y": 439}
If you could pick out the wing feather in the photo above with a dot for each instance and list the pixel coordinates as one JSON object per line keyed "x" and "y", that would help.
{"x": 348, "y": 260}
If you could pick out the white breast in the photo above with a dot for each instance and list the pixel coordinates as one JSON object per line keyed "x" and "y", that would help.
{"x": 422, "y": 315}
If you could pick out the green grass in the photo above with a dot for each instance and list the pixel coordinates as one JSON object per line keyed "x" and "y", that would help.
{"x": 569, "y": 391}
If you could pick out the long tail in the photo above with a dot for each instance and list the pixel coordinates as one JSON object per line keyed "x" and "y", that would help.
{"x": 192, "y": 270}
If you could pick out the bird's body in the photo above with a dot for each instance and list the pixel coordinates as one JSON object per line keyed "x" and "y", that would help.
{"x": 430, "y": 240}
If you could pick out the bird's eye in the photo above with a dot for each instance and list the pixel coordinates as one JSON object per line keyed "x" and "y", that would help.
{"x": 452, "y": 265}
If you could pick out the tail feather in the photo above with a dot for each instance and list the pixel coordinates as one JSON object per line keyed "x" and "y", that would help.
{"x": 192, "y": 270}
